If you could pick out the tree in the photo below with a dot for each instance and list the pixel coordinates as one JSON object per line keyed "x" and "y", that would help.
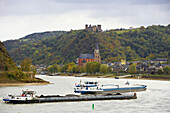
{"x": 132, "y": 68}
{"x": 26, "y": 64}
{"x": 160, "y": 71}
{"x": 166, "y": 70}
{"x": 53, "y": 68}
{"x": 70, "y": 68}
{"x": 74, "y": 69}
{"x": 95, "y": 67}
{"x": 88, "y": 66}
{"x": 33, "y": 70}
{"x": 104, "y": 68}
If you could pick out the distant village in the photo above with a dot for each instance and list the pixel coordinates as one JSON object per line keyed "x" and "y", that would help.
{"x": 147, "y": 66}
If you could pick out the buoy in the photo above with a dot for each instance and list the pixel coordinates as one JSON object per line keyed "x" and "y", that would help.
{"x": 92, "y": 106}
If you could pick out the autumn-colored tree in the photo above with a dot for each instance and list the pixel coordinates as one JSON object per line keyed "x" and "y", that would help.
{"x": 26, "y": 64}
{"x": 70, "y": 69}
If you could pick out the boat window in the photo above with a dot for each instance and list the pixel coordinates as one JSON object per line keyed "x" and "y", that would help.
{"x": 90, "y": 82}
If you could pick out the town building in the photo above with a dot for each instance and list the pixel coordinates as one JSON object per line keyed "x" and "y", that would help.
{"x": 85, "y": 58}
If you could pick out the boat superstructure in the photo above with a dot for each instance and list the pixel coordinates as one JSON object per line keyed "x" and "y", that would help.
{"x": 27, "y": 95}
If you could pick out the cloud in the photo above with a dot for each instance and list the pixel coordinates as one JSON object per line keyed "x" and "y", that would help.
{"x": 22, "y": 17}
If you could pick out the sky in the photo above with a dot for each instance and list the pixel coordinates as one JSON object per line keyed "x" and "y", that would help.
{"x": 19, "y": 18}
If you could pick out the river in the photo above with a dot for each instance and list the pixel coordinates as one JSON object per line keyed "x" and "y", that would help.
{"x": 156, "y": 99}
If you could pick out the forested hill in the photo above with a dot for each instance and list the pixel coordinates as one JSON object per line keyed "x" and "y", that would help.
{"x": 32, "y": 38}
{"x": 6, "y": 62}
{"x": 148, "y": 43}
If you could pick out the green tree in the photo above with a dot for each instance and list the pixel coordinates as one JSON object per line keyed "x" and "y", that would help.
{"x": 26, "y": 64}
{"x": 74, "y": 69}
{"x": 132, "y": 68}
{"x": 33, "y": 69}
{"x": 95, "y": 67}
{"x": 160, "y": 71}
{"x": 166, "y": 70}
{"x": 53, "y": 68}
{"x": 88, "y": 66}
{"x": 104, "y": 68}
{"x": 81, "y": 69}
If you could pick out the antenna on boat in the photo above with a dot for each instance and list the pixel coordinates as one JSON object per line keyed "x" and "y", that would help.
{"x": 127, "y": 83}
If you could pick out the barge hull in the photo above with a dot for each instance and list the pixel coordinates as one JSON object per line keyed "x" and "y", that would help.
{"x": 111, "y": 91}
{"x": 73, "y": 99}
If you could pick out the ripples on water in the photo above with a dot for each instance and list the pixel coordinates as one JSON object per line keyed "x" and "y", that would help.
{"x": 156, "y": 99}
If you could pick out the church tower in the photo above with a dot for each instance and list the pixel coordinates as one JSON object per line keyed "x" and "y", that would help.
{"x": 97, "y": 56}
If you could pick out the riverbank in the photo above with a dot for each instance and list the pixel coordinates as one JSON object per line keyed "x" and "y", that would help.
{"x": 22, "y": 84}
{"x": 5, "y": 81}
{"x": 160, "y": 77}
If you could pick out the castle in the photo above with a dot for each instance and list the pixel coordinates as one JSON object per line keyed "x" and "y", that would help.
{"x": 84, "y": 58}
{"x": 93, "y": 28}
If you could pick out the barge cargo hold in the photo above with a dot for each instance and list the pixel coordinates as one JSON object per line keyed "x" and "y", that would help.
{"x": 67, "y": 98}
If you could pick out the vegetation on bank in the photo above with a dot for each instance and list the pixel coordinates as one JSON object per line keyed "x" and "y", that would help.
{"x": 64, "y": 47}
{"x": 10, "y": 73}
{"x": 95, "y": 68}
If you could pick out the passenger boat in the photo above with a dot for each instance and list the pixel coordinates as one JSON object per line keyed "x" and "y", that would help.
{"x": 95, "y": 88}
{"x": 30, "y": 97}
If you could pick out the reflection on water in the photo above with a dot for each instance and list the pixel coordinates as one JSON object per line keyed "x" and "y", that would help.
{"x": 155, "y": 99}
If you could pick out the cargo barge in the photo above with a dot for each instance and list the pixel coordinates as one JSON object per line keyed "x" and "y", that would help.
{"x": 95, "y": 88}
{"x": 30, "y": 97}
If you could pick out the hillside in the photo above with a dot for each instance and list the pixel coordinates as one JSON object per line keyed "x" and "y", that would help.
{"x": 6, "y": 62}
{"x": 32, "y": 38}
{"x": 6, "y": 65}
{"x": 148, "y": 43}
{"x": 10, "y": 73}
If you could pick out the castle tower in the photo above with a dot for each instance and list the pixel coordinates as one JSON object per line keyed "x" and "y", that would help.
{"x": 86, "y": 27}
{"x": 97, "y": 56}
{"x": 94, "y": 28}
{"x": 99, "y": 28}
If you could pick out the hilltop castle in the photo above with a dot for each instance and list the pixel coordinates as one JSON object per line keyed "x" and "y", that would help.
{"x": 84, "y": 58}
{"x": 93, "y": 28}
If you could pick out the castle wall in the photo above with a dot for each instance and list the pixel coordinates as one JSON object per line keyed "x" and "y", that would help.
{"x": 93, "y": 28}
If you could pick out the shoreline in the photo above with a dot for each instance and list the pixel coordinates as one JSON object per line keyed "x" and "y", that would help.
{"x": 22, "y": 84}
{"x": 89, "y": 76}
{"x": 36, "y": 82}
{"x": 161, "y": 78}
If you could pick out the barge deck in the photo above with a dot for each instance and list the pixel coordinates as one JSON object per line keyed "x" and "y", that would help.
{"x": 71, "y": 98}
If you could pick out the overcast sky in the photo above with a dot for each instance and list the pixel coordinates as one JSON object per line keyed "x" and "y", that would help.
{"x": 19, "y": 18}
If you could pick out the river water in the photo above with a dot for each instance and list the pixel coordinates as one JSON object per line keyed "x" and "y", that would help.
{"x": 156, "y": 99}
